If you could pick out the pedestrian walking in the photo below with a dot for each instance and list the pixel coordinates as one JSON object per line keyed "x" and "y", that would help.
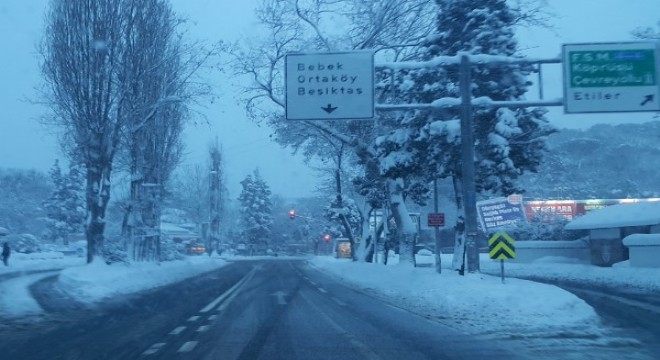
{"x": 6, "y": 251}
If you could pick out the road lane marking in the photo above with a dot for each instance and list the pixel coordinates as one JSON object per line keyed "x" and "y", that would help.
{"x": 339, "y": 302}
{"x": 153, "y": 349}
{"x": 213, "y": 317}
{"x": 305, "y": 277}
{"x": 364, "y": 350}
{"x": 229, "y": 292}
{"x": 177, "y": 330}
{"x": 193, "y": 318}
{"x": 228, "y": 301}
{"x": 203, "y": 328}
{"x": 322, "y": 290}
{"x": 187, "y": 346}
{"x": 313, "y": 283}
{"x": 281, "y": 297}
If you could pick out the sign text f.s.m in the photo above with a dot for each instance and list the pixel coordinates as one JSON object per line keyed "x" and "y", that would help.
{"x": 611, "y": 77}
{"x": 329, "y": 86}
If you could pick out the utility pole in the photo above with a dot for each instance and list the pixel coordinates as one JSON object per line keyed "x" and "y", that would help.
{"x": 467, "y": 168}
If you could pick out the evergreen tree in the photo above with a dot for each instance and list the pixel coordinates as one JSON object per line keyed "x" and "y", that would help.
{"x": 507, "y": 142}
{"x": 65, "y": 207}
{"x": 256, "y": 211}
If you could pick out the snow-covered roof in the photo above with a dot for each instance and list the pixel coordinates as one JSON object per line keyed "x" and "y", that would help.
{"x": 557, "y": 244}
{"x": 622, "y": 215}
{"x": 642, "y": 240}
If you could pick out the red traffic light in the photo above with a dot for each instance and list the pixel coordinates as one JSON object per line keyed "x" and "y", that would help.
{"x": 326, "y": 237}
{"x": 292, "y": 214}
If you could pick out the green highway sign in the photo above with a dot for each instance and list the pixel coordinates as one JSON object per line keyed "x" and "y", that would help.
{"x": 611, "y": 77}
{"x": 501, "y": 246}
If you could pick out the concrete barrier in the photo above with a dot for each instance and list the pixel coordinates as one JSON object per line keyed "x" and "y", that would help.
{"x": 560, "y": 251}
{"x": 644, "y": 250}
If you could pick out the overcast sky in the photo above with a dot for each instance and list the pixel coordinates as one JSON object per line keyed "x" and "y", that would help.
{"x": 24, "y": 143}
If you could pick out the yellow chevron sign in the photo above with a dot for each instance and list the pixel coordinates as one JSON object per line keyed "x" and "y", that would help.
{"x": 502, "y": 246}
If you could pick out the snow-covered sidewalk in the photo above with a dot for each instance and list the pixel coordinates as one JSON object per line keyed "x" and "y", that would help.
{"x": 475, "y": 303}
{"x": 19, "y": 263}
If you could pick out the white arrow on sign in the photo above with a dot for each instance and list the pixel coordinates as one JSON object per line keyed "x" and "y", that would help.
{"x": 281, "y": 297}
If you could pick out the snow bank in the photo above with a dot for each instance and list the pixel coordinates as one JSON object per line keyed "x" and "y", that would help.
{"x": 475, "y": 303}
{"x": 15, "y": 297}
{"x": 97, "y": 281}
{"x": 621, "y": 275}
{"x": 642, "y": 240}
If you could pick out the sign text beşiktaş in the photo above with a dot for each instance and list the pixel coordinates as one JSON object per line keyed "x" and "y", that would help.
{"x": 327, "y": 86}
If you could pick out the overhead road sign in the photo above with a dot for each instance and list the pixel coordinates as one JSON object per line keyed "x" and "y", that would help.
{"x": 501, "y": 246}
{"x": 329, "y": 86}
{"x": 611, "y": 77}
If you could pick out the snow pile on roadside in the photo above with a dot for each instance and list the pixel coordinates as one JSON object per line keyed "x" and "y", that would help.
{"x": 620, "y": 276}
{"x": 15, "y": 297}
{"x": 475, "y": 303}
{"x": 98, "y": 281}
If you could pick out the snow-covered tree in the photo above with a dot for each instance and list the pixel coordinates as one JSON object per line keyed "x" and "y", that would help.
{"x": 22, "y": 193}
{"x": 108, "y": 84}
{"x": 392, "y": 28}
{"x": 256, "y": 210}
{"x": 65, "y": 208}
{"x": 507, "y": 142}
{"x": 216, "y": 201}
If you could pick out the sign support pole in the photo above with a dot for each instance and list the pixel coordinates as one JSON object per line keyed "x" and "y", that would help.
{"x": 502, "y": 269}
{"x": 438, "y": 258}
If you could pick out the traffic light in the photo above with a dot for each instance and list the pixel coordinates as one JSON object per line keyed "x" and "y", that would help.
{"x": 292, "y": 214}
{"x": 327, "y": 237}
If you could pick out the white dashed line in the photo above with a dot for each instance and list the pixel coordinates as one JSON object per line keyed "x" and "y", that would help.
{"x": 203, "y": 328}
{"x": 193, "y": 318}
{"x": 177, "y": 330}
{"x": 153, "y": 349}
{"x": 322, "y": 290}
{"x": 187, "y": 346}
{"x": 313, "y": 283}
{"x": 213, "y": 317}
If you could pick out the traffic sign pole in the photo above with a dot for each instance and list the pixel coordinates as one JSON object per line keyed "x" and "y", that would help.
{"x": 502, "y": 269}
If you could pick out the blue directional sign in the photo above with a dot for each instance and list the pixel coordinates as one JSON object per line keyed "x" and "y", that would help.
{"x": 329, "y": 86}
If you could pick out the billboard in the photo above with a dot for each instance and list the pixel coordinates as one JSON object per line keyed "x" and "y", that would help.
{"x": 500, "y": 213}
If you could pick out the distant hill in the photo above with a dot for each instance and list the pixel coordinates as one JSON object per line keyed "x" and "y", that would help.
{"x": 604, "y": 161}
